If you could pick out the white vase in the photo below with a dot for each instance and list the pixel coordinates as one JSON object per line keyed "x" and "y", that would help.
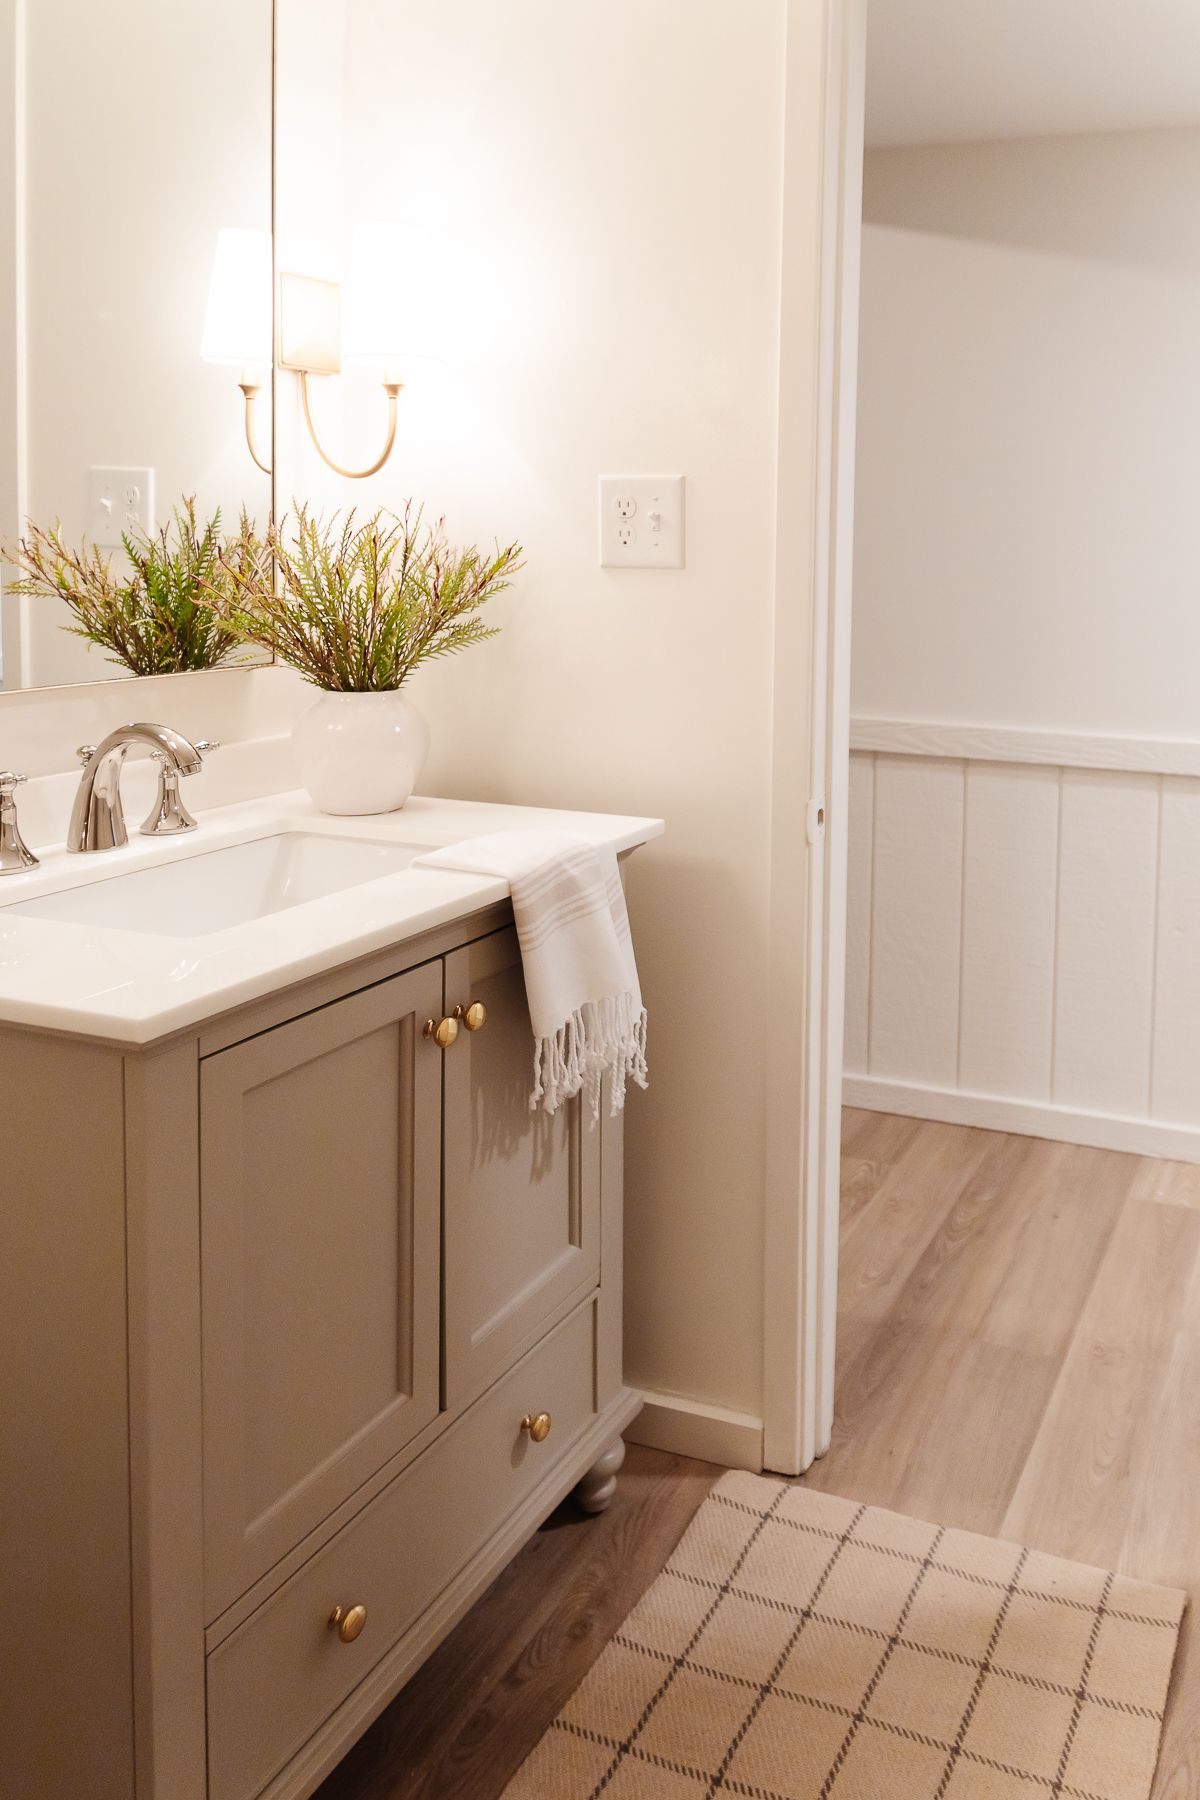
{"x": 361, "y": 753}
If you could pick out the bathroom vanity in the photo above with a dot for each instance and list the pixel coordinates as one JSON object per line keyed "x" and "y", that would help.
{"x": 307, "y": 1321}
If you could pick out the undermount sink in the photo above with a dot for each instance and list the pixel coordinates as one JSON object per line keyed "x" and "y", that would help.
{"x": 192, "y": 896}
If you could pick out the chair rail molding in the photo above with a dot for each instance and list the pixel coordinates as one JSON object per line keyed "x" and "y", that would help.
{"x": 1024, "y": 744}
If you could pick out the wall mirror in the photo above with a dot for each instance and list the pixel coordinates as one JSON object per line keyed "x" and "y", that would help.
{"x": 135, "y": 283}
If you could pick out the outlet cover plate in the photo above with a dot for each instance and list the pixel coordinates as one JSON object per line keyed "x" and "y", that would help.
{"x": 641, "y": 521}
{"x": 119, "y": 500}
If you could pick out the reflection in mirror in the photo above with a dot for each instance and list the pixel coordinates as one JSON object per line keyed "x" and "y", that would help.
{"x": 135, "y": 218}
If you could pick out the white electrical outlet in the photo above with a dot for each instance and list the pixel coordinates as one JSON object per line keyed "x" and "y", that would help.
{"x": 119, "y": 500}
{"x": 641, "y": 521}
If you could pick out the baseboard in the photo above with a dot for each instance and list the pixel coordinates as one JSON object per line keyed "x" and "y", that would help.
{"x": 1029, "y": 1118}
{"x": 690, "y": 1428}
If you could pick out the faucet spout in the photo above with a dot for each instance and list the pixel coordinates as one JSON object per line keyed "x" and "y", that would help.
{"x": 97, "y": 817}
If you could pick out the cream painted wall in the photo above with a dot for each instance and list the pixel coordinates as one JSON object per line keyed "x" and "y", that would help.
{"x": 9, "y": 499}
{"x": 1028, "y": 534}
{"x": 605, "y": 183}
{"x": 148, "y": 128}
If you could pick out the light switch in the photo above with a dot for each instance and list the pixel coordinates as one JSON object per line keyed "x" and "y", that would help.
{"x": 641, "y": 521}
{"x": 120, "y": 500}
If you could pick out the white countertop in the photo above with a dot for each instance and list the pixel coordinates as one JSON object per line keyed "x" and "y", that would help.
{"x": 131, "y": 987}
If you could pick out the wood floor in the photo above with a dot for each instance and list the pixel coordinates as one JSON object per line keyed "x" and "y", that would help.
{"x": 1019, "y": 1353}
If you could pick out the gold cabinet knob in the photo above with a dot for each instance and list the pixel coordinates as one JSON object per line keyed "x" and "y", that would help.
{"x": 442, "y": 1031}
{"x": 537, "y": 1425}
{"x": 348, "y": 1622}
{"x": 474, "y": 1017}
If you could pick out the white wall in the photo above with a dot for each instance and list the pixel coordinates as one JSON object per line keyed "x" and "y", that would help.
{"x": 606, "y": 181}
{"x": 944, "y": 73}
{"x": 1024, "y": 944}
{"x": 148, "y": 127}
{"x": 10, "y": 57}
{"x": 1028, "y": 531}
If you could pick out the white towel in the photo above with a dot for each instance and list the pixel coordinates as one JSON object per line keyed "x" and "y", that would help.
{"x": 581, "y": 978}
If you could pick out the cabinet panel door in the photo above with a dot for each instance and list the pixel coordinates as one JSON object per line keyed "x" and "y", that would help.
{"x": 320, "y": 1190}
{"x": 522, "y": 1190}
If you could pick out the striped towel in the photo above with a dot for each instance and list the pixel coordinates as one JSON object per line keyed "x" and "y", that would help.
{"x": 581, "y": 979}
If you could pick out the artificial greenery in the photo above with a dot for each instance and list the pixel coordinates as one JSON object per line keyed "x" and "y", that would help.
{"x": 358, "y": 607}
{"x": 160, "y": 613}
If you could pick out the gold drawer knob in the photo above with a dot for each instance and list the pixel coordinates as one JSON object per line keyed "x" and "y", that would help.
{"x": 537, "y": 1425}
{"x": 442, "y": 1031}
{"x": 348, "y": 1622}
{"x": 474, "y": 1017}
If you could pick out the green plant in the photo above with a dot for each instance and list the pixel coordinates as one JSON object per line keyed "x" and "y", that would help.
{"x": 357, "y": 609}
{"x": 159, "y": 614}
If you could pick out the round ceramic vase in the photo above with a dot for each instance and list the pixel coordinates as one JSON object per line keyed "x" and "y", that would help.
{"x": 361, "y": 753}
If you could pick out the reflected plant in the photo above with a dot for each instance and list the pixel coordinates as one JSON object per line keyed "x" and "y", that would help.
{"x": 357, "y": 608}
{"x": 158, "y": 614}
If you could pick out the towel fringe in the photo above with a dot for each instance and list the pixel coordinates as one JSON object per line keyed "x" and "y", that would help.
{"x": 602, "y": 1037}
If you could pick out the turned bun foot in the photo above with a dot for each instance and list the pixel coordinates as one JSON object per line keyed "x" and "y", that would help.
{"x": 598, "y": 1486}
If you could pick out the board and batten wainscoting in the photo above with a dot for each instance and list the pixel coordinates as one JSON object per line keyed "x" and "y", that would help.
{"x": 1023, "y": 932}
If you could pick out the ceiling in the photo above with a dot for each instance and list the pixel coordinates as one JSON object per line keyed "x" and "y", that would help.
{"x": 947, "y": 71}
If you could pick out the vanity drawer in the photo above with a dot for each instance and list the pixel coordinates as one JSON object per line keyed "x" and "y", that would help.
{"x": 275, "y": 1679}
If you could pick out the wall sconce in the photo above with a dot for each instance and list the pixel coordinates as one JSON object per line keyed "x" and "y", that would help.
{"x": 322, "y": 326}
{"x": 310, "y": 339}
{"x": 237, "y": 320}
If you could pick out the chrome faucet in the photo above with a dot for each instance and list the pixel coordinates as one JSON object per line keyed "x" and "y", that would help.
{"x": 97, "y": 818}
{"x": 14, "y": 853}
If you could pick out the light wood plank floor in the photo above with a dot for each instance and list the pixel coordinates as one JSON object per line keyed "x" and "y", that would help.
{"x": 1019, "y": 1353}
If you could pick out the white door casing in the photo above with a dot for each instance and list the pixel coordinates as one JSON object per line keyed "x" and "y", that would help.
{"x": 825, "y": 83}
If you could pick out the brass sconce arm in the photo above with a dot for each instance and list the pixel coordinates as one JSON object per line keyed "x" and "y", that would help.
{"x": 250, "y": 390}
{"x": 391, "y": 389}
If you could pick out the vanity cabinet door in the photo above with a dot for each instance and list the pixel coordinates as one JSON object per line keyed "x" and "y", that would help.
{"x": 522, "y": 1189}
{"x": 320, "y": 1202}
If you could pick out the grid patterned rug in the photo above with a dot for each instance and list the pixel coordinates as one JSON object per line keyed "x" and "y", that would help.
{"x": 800, "y": 1647}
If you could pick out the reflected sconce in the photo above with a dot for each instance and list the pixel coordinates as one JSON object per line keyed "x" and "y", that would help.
{"x": 367, "y": 323}
{"x": 237, "y": 320}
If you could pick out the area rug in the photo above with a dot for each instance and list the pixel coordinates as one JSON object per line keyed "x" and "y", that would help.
{"x": 799, "y": 1647}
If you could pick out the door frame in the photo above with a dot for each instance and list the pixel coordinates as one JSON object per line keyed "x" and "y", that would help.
{"x": 818, "y": 373}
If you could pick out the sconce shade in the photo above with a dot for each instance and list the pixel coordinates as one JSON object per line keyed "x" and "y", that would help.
{"x": 389, "y": 301}
{"x": 237, "y": 322}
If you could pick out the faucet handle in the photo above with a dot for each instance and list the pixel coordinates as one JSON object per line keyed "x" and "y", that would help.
{"x": 169, "y": 816}
{"x": 85, "y": 753}
{"x": 15, "y": 856}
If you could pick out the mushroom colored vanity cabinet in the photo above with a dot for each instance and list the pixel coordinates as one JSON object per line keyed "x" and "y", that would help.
{"x": 307, "y": 1324}
{"x": 505, "y": 1286}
